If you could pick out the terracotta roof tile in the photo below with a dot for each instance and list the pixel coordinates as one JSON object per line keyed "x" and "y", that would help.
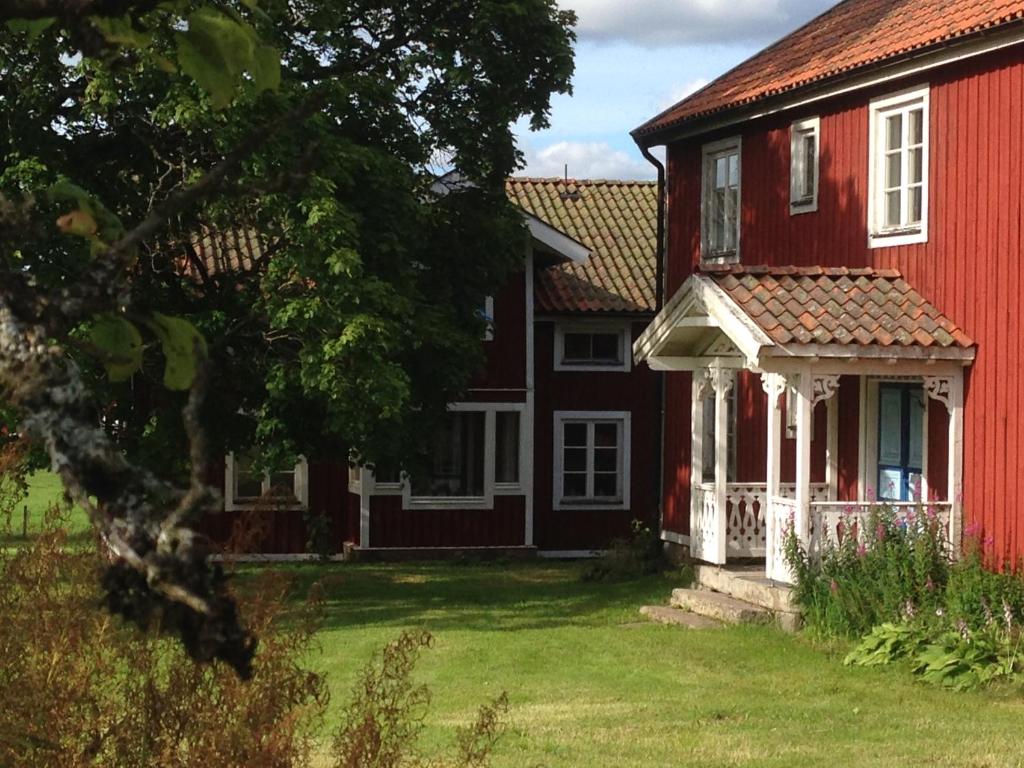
{"x": 853, "y": 35}
{"x": 822, "y": 305}
{"x": 616, "y": 220}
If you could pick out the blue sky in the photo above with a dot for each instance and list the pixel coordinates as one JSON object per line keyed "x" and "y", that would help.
{"x": 634, "y": 58}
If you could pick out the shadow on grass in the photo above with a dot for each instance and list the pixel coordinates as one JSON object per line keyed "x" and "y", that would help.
{"x": 484, "y": 597}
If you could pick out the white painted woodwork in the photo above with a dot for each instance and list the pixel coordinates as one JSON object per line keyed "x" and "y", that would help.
{"x": 834, "y": 522}
{"x": 723, "y": 380}
{"x": 804, "y": 427}
{"x": 774, "y": 386}
{"x": 698, "y": 535}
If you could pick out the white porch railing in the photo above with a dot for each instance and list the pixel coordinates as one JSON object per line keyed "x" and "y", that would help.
{"x": 833, "y": 522}
{"x": 783, "y": 514}
{"x": 746, "y": 505}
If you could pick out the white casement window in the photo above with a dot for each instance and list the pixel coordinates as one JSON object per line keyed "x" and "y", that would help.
{"x": 803, "y": 172}
{"x": 898, "y": 183}
{"x": 248, "y": 488}
{"x": 720, "y": 201}
{"x": 584, "y": 347}
{"x": 591, "y": 453}
{"x": 477, "y": 454}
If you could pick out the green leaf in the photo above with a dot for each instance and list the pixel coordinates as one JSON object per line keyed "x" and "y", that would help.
{"x": 108, "y": 226}
{"x": 183, "y": 346}
{"x": 121, "y": 342}
{"x": 215, "y": 51}
{"x": 120, "y": 31}
{"x": 32, "y": 27}
{"x": 266, "y": 68}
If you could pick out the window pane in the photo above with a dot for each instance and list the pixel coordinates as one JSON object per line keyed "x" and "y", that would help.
{"x": 248, "y": 483}
{"x": 574, "y": 485}
{"x": 890, "y": 414}
{"x": 917, "y": 126}
{"x": 892, "y": 208}
{"x": 894, "y": 132}
{"x": 718, "y": 221}
{"x": 893, "y": 170}
{"x": 734, "y": 170}
{"x": 733, "y": 220}
{"x": 914, "y": 449}
{"x": 606, "y": 347}
{"x": 506, "y": 450}
{"x": 606, "y": 434}
{"x": 810, "y": 152}
{"x": 575, "y": 460}
{"x": 458, "y": 462}
{"x": 575, "y": 434}
{"x": 606, "y": 459}
{"x": 606, "y": 485}
{"x": 915, "y": 205}
{"x": 720, "y": 173}
{"x": 576, "y": 346}
{"x": 916, "y": 165}
{"x": 282, "y": 484}
{"x": 708, "y": 439}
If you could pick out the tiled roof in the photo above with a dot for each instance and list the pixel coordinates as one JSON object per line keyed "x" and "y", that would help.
{"x": 855, "y": 34}
{"x": 815, "y": 305}
{"x": 616, "y": 220}
{"x": 227, "y": 251}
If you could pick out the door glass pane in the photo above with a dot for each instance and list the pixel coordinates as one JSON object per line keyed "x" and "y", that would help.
{"x": 890, "y": 412}
{"x": 914, "y": 449}
{"x": 506, "y": 449}
{"x": 890, "y": 483}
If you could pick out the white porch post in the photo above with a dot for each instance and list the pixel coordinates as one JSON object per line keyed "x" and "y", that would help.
{"x": 804, "y": 427}
{"x": 774, "y": 385}
{"x": 723, "y": 380}
{"x": 700, "y": 381}
{"x": 832, "y": 448}
{"x": 949, "y": 390}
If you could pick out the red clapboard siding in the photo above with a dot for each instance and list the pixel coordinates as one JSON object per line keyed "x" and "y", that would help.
{"x": 970, "y": 267}
{"x": 592, "y": 391}
{"x": 505, "y": 354}
{"x": 392, "y": 526}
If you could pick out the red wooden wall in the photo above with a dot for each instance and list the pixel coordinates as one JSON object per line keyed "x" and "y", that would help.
{"x": 505, "y": 354}
{"x": 591, "y": 391}
{"x": 392, "y": 526}
{"x": 970, "y": 267}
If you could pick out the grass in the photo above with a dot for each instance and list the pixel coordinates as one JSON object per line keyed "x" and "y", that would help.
{"x": 590, "y": 685}
{"x": 44, "y": 490}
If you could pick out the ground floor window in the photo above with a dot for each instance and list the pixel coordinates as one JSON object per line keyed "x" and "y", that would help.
{"x": 591, "y": 459}
{"x": 246, "y": 487}
{"x": 457, "y": 464}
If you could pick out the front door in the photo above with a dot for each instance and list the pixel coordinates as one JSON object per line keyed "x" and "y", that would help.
{"x": 900, "y": 441}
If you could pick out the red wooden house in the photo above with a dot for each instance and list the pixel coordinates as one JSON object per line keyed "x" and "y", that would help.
{"x": 844, "y": 264}
{"x": 553, "y": 446}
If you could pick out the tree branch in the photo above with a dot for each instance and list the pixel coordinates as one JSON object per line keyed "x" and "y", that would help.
{"x": 71, "y": 10}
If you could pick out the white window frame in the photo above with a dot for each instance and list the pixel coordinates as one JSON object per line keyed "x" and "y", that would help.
{"x": 799, "y": 202}
{"x": 300, "y": 487}
{"x": 491, "y": 488}
{"x": 710, "y": 152}
{"x": 625, "y": 459}
{"x": 624, "y": 331}
{"x": 880, "y": 236}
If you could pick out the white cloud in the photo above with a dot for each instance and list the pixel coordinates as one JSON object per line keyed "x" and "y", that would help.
{"x": 680, "y": 92}
{"x": 656, "y": 23}
{"x": 585, "y": 160}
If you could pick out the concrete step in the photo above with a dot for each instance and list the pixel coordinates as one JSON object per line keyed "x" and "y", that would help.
{"x": 678, "y": 617}
{"x": 721, "y": 607}
{"x": 746, "y": 584}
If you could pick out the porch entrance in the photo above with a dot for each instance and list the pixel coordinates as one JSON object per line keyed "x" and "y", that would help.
{"x": 900, "y": 441}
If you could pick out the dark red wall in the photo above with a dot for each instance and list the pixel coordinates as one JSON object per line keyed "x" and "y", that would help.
{"x": 591, "y": 391}
{"x": 970, "y": 267}
{"x": 503, "y": 526}
{"x": 506, "y": 352}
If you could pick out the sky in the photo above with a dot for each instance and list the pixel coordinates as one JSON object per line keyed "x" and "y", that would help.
{"x": 635, "y": 58}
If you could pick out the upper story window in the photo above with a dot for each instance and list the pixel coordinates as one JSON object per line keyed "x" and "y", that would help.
{"x": 720, "y": 201}
{"x": 803, "y": 174}
{"x": 586, "y": 347}
{"x": 245, "y": 487}
{"x": 898, "y": 183}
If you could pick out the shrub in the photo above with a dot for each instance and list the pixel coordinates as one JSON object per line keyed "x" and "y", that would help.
{"x": 641, "y": 554}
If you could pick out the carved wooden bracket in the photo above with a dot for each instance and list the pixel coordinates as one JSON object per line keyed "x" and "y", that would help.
{"x": 773, "y": 384}
{"x": 823, "y": 387}
{"x": 938, "y": 388}
{"x": 722, "y": 379}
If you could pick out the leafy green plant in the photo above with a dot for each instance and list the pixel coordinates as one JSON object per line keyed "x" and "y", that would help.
{"x": 887, "y": 643}
{"x": 641, "y": 554}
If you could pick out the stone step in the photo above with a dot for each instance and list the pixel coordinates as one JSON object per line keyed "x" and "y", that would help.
{"x": 715, "y": 605}
{"x": 678, "y": 617}
{"x": 748, "y": 585}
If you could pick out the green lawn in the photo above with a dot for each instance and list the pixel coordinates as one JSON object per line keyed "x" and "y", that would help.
{"x": 44, "y": 490}
{"x": 591, "y": 685}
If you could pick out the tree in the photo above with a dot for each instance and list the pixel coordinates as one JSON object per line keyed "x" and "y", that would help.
{"x": 138, "y": 131}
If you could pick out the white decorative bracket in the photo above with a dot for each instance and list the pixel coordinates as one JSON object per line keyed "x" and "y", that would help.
{"x": 702, "y": 382}
{"x": 939, "y": 388}
{"x": 722, "y": 379}
{"x": 773, "y": 384}
{"x": 823, "y": 387}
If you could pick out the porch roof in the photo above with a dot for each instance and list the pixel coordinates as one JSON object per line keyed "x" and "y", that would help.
{"x": 767, "y": 311}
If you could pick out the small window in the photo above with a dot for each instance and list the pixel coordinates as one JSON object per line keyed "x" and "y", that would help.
{"x": 898, "y": 204}
{"x": 458, "y": 461}
{"x": 708, "y": 443}
{"x": 506, "y": 449}
{"x": 487, "y": 315}
{"x": 588, "y": 348}
{"x": 720, "y": 201}
{"x": 246, "y": 487}
{"x": 591, "y": 460}
{"x": 803, "y": 181}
